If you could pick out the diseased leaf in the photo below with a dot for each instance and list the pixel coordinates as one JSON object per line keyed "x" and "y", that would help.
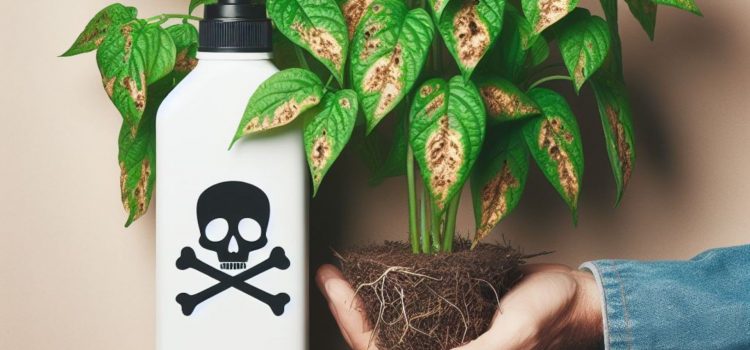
{"x": 328, "y": 132}
{"x": 544, "y": 13}
{"x": 96, "y": 30}
{"x": 687, "y": 5}
{"x": 389, "y": 50}
{"x": 353, "y": 11}
{"x": 133, "y": 56}
{"x": 437, "y": 7}
{"x": 185, "y": 38}
{"x": 584, "y": 43}
{"x": 446, "y": 134}
{"x": 616, "y": 116}
{"x": 195, "y": 3}
{"x": 318, "y": 26}
{"x": 395, "y": 162}
{"x": 137, "y": 155}
{"x": 555, "y": 143}
{"x": 503, "y": 101}
{"x": 645, "y": 12}
{"x": 280, "y": 100}
{"x": 469, "y": 28}
{"x": 498, "y": 179}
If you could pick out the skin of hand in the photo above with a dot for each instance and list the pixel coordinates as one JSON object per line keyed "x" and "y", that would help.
{"x": 551, "y": 307}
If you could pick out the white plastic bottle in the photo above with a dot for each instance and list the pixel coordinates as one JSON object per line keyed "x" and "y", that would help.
{"x": 231, "y": 225}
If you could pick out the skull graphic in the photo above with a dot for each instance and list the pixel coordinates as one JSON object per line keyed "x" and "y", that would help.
{"x": 233, "y": 218}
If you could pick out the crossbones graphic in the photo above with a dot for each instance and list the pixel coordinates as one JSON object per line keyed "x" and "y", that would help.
{"x": 233, "y": 218}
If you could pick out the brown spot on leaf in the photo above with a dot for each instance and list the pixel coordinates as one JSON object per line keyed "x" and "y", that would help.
{"x": 445, "y": 155}
{"x": 109, "y": 86}
{"x": 471, "y": 35}
{"x": 426, "y": 90}
{"x": 434, "y": 104}
{"x": 137, "y": 94}
{"x": 579, "y": 73}
{"x": 321, "y": 153}
{"x": 495, "y": 201}
{"x": 624, "y": 152}
{"x": 123, "y": 190}
{"x": 498, "y": 102}
{"x": 141, "y": 191}
{"x": 321, "y": 42}
{"x": 282, "y": 115}
{"x": 344, "y": 103}
{"x": 127, "y": 33}
{"x": 384, "y": 77}
{"x": 550, "y": 11}
{"x": 353, "y": 12}
{"x": 371, "y": 43}
{"x": 184, "y": 63}
{"x": 565, "y": 170}
{"x": 438, "y": 5}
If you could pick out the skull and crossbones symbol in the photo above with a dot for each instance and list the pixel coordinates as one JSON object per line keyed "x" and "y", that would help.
{"x": 233, "y": 218}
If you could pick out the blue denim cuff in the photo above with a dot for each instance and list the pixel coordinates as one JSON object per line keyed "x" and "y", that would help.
{"x": 617, "y": 327}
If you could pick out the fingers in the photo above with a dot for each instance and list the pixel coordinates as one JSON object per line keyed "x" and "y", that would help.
{"x": 346, "y": 307}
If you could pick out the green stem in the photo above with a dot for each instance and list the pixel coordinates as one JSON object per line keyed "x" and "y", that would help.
{"x": 411, "y": 184}
{"x": 450, "y": 225}
{"x": 549, "y": 78}
{"x": 325, "y": 89}
{"x": 423, "y": 224}
{"x": 165, "y": 16}
{"x": 301, "y": 57}
{"x": 435, "y": 228}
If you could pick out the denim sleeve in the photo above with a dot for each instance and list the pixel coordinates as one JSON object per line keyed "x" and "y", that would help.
{"x": 703, "y": 303}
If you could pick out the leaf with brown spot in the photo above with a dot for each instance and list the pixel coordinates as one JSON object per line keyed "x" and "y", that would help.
{"x": 645, "y": 12}
{"x": 687, "y": 5}
{"x": 617, "y": 122}
{"x": 390, "y": 47}
{"x": 555, "y": 143}
{"x": 135, "y": 54}
{"x": 498, "y": 178}
{"x": 185, "y": 38}
{"x": 353, "y": 11}
{"x": 99, "y": 26}
{"x": 318, "y": 26}
{"x": 328, "y": 131}
{"x": 504, "y": 101}
{"x": 544, "y": 13}
{"x": 280, "y": 100}
{"x": 584, "y": 42}
{"x": 446, "y": 135}
{"x": 469, "y": 28}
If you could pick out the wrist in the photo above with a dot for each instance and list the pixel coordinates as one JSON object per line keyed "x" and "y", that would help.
{"x": 586, "y": 317}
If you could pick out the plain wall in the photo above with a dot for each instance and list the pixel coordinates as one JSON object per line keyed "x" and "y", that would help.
{"x": 71, "y": 277}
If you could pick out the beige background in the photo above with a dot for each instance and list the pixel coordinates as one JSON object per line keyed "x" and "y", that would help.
{"x": 72, "y": 278}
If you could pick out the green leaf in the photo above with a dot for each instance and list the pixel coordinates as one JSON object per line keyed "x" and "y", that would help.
{"x": 687, "y": 5}
{"x": 133, "y": 56}
{"x": 584, "y": 43}
{"x": 469, "y": 28}
{"x": 389, "y": 50}
{"x": 544, "y": 13}
{"x": 438, "y": 6}
{"x": 185, "y": 38}
{"x": 327, "y": 133}
{"x": 195, "y": 3}
{"x": 280, "y": 100}
{"x": 317, "y": 26}
{"x": 616, "y": 116}
{"x": 353, "y": 11}
{"x": 645, "y": 12}
{"x": 137, "y": 155}
{"x": 498, "y": 179}
{"x": 96, "y": 30}
{"x": 503, "y": 101}
{"x": 446, "y": 134}
{"x": 395, "y": 162}
{"x": 555, "y": 143}
{"x": 539, "y": 51}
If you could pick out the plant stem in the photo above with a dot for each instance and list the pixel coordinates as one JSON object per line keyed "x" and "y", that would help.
{"x": 165, "y": 16}
{"x": 325, "y": 89}
{"x": 435, "y": 228}
{"x": 549, "y": 78}
{"x": 450, "y": 225}
{"x": 301, "y": 57}
{"x": 410, "y": 182}
{"x": 423, "y": 224}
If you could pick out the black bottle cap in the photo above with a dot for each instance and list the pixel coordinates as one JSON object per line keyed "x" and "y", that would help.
{"x": 235, "y": 26}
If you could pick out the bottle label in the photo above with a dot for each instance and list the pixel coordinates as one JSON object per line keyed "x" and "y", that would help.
{"x": 233, "y": 220}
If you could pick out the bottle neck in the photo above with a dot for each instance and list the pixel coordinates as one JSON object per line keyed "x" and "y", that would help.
{"x": 234, "y": 56}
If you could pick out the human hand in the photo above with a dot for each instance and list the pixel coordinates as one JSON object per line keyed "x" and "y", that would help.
{"x": 552, "y": 307}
